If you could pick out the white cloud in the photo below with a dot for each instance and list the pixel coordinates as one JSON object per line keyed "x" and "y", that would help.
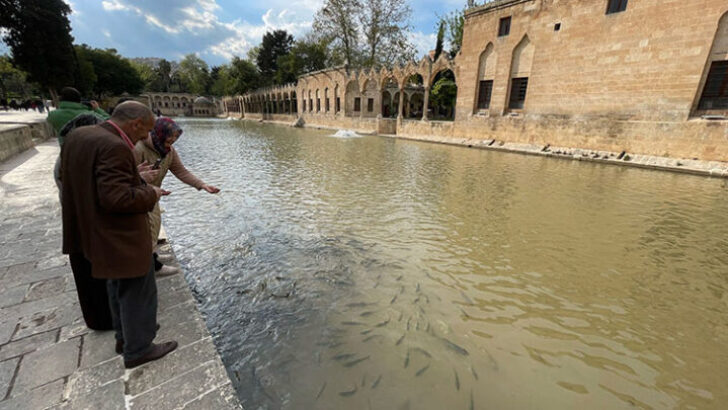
{"x": 423, "y": 42}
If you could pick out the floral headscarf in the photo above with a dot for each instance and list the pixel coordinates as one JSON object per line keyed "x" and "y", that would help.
{"x": 164, "y": 128}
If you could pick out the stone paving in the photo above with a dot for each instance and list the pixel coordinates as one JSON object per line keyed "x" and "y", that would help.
{"x": 48, "y": 358}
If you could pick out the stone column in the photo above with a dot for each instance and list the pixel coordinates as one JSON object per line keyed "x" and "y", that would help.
{"x": 425, "y": 104}
{"x": 401, "y": 104}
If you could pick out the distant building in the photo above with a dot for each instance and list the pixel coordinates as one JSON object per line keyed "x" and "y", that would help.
{"x": 182, "y": 105}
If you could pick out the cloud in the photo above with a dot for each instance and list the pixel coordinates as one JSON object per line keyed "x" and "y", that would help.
{"x": 423, "y": 42}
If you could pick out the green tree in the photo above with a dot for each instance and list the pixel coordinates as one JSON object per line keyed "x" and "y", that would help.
{"x": 337, "y": 21}
{"x": 385, "y": 26}
{"x": 222, "y": 83}
{"x": 194, "y": 73}
{"x": 274, "y": 45}
{"x": 39, "y": 36}
{"x": 307, "y": 55}
{"x": 440, "y": 38}
{"x": 146, "y": 73}
{"x": 164, "y": 75}
{"x": 244, "y": 75}
{"x": 14, "y": 82}
{"x": 114, "y": 74}
{"x": 455, "y": 23}
{"x": 86, "y": 75}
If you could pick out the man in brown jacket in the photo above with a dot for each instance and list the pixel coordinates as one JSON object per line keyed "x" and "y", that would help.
{"x": 105, "y": 206}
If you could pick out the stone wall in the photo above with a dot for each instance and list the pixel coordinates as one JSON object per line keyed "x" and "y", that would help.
{"x": 15, "y": 139}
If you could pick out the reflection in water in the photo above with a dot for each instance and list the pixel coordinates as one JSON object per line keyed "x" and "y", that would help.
{"x": 387, "y": 274}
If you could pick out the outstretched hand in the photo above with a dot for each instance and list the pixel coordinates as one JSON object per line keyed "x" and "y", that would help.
{"x": 211, "y": 189}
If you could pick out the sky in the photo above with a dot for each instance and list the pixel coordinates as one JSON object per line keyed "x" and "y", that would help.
{"x": 215, "y": 30}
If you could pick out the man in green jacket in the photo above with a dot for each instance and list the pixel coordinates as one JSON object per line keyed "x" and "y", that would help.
{"x": 70, "y": 107}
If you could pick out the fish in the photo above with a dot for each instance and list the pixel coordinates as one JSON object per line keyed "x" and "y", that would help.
{"x": 408, "y": 323}
{"x": 401, "y": 315}
{"x": 401, "y": 289}
{"x": 355, "y": 362}
{"x": 472, "y": 402}
{"x": 399, "y": 278}
{"x": 349, "y": 323}
{"x": 348, "y": 393}
{"x": 467, "y": 298}
{"x": 406, "y": 359}
{"x": 417, "y": 288}
{"x": 376, "y": 382}
{"x": 321, "y": 391}
{"x": 422, "y": 371}
{"x": 455, "y": 348}
{"x": 364, "y": 332}
{"x": 421, "y": 351}
{"x": 457, "y": 380}
{"x": 394, "y": 299}
{"x": 382, "y": 324}
{"x": 400, "y": 340}
{"x": 343, "y": 356}
{"x": 475, "y": 374}
{"x": 365, "y": 314}
{"x": 366, "y": 339}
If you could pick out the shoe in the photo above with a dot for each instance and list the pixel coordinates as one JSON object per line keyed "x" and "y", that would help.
{"x": 157, "y": 351}
{"x": 166, "y": 270}
{"x": 165, "y": 257}
{"x": 120, "y": 344}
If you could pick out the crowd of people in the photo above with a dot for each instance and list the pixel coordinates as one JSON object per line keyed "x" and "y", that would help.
{"x": 109, "y": 176}
{"x": 24, "y": 105}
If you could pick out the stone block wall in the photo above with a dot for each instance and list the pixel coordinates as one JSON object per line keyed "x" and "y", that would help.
{"x": 15, "y": 139}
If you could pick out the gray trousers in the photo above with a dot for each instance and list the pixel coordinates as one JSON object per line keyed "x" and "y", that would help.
{"x": 134, "y": 312}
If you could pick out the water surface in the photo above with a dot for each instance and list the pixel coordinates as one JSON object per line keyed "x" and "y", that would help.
{"x": 388, "y": 274}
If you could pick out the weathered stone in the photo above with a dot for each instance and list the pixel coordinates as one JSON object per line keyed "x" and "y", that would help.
{"x": 53, "y": 262}
{"x": 46, "y": 365}
{"x": 46, "y": 320}
{"x": 221, "y": 398}
{"x": 184, "y": 388}
{"x": 28, "y": 344}
{"x": 178, "y": 362}
{"x": 7, "y": 328}
{"x": 109, "y": 396}
{"x": 87, "y": 380}
{"x": 12, "y": 296}
{"x": 7, "y": 371}
{"x": 75, "y": 329}
{"x": 46, "y": 288}
{"x": 97, "y": 347}
{"x": 39, "y": 398}
{"x": 31, "y": 274}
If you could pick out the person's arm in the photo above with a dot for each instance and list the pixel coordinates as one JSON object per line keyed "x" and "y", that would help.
{"x": 97, "y": 109}
{"x": 179, "y": 171}
{"x": 117, "y": 182}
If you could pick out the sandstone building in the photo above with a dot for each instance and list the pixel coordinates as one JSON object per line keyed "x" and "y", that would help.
{"x": 182, "y": 104}
{"x": 645, "y": 76}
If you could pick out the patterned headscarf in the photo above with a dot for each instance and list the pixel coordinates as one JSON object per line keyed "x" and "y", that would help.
{"x": 164, "y": 128}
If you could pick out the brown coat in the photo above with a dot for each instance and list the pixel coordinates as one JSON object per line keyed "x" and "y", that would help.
{"x": 105, "y": 204}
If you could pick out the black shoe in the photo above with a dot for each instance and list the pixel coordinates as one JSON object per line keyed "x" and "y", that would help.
{"x": 157, "y": 351}
{"x": 120, "y": 344}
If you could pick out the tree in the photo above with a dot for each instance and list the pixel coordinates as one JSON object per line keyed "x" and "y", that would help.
{"x": 146, "y": 73}
{"x": 222, "y": 82}
{"x": 385, "y": 27}
{"x": 114, "y": 74}
{"x": 39, "y": 36}
{"x": 455, "y": 23}
{"x": 275, "y": 44}
{"x": 164, "y": 75}
{"x": 440, "y": 39}
{"x": 307, "y": 55}
{"x": 194, "y": 73}
{"x": 337, "y": 20}
{"x": 13, "y": 82}
{"x": 244, "y": 75}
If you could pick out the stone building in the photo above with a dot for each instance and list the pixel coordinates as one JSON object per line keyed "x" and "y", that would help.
{"x": 182, "y": 105}
{"x": 645, "y": 76}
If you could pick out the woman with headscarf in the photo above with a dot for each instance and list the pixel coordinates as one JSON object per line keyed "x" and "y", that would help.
{"x": 157, "y": 148}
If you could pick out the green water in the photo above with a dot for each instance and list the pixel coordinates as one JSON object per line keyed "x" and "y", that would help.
{"x": 388, "y": 274}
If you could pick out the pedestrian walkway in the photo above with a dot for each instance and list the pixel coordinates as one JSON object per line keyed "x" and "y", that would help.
{"x": 48, "y": 358}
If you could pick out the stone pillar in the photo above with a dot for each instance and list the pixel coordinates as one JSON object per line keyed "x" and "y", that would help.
{"x": 425, "y": 104}
{"x": 401, "y": 104}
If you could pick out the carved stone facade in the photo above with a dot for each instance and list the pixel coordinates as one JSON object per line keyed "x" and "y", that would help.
{"x": 576, "y": 74}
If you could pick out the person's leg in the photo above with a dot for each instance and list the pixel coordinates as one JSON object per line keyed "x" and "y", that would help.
{"x": 157, "y": 263}
{"x": 138, "y": 313}
{"x": 112, "y": 287}
{"x": 92, "y": 294}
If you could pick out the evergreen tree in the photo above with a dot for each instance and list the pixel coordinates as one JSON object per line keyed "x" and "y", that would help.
{"x": 275, "y": 44}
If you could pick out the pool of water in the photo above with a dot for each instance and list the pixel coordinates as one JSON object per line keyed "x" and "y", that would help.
{"x": 387, "y": 274}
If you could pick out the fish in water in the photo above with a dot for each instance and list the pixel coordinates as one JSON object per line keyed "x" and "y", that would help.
{"x": 401, "y": 315}
{"x": 368, "y": 338}
{"x": 343, "y": 356}
{"x": 457, "y": 380}
{"x": 421, "y": 351}
{"x": 358, "y": 304}
{"x": 321, "y": 391}
{"x": 475, "y": 374}
{"x": 349, "y": 323}
{"x": 467, "y": 299}
{"x": 349, "y": 393}
{"x": 376, "y": 382}
{"x": 399, "y": 278}
{"x": 417, "y": 288}
{"x": 364, "y": 332}
{"x": 455, "y": 348}
{"x": 365, "y": 314}
{"x": 394, "y": 299}
{"x": 399, "y": 340}
{"x": 355, "y": 362}
{"x": 472, "y": 402}
{"x": 382, "y": 324}
{"x": 406, "y": 359}
{"x": 421, "y": 371}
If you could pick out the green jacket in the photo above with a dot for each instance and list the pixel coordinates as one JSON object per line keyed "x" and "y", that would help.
{"x": 67, "y": 111}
